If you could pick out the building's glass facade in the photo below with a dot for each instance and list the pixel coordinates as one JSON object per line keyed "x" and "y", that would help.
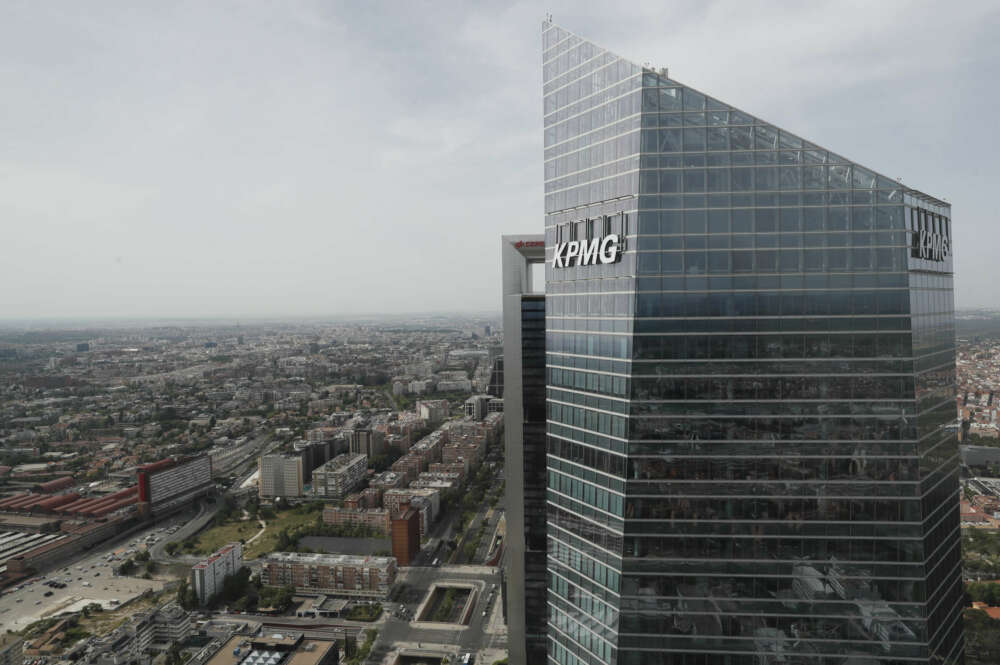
{"x": 747, "y": 454}
{"x": 533, "y": 395}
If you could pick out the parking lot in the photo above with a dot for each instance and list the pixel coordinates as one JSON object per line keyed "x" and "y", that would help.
{"x": 89, "y": 579}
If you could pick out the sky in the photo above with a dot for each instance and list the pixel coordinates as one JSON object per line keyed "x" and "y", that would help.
{"x": 226, "y": 159}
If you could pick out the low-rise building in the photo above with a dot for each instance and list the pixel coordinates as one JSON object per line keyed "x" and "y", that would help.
{"x": 373, "y": 518}
{"x": 386, "y": 480}
{"x": 330, "y": 574}
{"x": 143, "y": 633}
{"x": 271, "y": 649}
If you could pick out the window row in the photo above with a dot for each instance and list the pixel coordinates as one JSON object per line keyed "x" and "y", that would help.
{"x": 859, "y": 467}
{"x": 590, "y": 438}
{"x": 788, "y": 549}
{"x": 601, "y": 423}
{"x": 822, "y": 303}
{"x": 587, "y": 399}
{"x": 591, "y": 458}
{"x": 590, "y": 494}
{"x": 806, "y": 367}
{"x": 603, "y": 384}
{"x": 581, "y": 635}
{"x": 597, "y": 162}
{"x": 863, "y": 259}
{"x": 671, "y": 93}
{"x": 571, "y": 155}
{"x": 763, "y": 199}
{"x": 888, "y": 428}
{"x": 771, "y": 220}
{"x": 592, "y": 569}
{"x": 580, "y": 60}
{"x": 743, "y": 179}
{"x": 558, "y": 106}
{"x": 579, "y": 602}
{"x": 609, "y": 346}
{"x": 769, "y": 388}
{"x": 846, "y": 345}
{"x": 897, "y": 407}
{"x": 603, "y": 190}
{"x": 790, "y": 240}
{"x": 792, "y": 508}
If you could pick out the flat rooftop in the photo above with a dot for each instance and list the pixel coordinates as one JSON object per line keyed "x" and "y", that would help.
{"x": 224, "y": 656}
{"x": 327, "y": 559}
{"x": 311, "y": 652}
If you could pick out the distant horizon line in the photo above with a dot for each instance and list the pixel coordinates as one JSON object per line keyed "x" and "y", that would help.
{"x": 270, "y": 318}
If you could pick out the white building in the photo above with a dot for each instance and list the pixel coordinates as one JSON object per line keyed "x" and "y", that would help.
{"x": 209, "y": 575}
{"x": 280, "y": 475}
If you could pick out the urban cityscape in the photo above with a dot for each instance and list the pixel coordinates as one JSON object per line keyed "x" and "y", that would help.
{"x": 725, "y": 406}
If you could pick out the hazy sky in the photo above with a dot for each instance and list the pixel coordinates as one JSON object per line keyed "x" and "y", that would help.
{"x": 282, "y": 158}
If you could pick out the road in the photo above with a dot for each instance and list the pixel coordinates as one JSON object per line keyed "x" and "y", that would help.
{"x": 88, "y": 578}
{"x": 418, "y": 581}
{"x": 192, "y": 525}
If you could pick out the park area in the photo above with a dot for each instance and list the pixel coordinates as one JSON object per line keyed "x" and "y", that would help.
{"x": 280, "y": 532}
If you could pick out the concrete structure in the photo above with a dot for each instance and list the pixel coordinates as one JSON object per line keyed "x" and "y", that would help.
{"x": 172, "y": 484}
{"x": 376, "y": 519}
{"x": 405, "y": 535}
{"x": 524, "y": 446}
{"x": 209, "y": 575}
{"x": 366, "y": 441}
{"x": 476, "y": 407}
{"x": 143, "y": 634}
{"x": 330, "y": 574}
{"x": 426, "y": 501}
{"x": 434, "y": 411}
{"x": 280, "y": 476}
{"x": 271, "y": 649}
{"x": 340, "y": 476}
{"x": 386, "y": 480}
{"x": 314, "y": 454}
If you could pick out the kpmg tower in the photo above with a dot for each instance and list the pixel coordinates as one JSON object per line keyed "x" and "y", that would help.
{"x": 750, "y": 366}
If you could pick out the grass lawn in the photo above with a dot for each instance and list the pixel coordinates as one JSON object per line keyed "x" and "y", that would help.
{"x": 213, "y": 538}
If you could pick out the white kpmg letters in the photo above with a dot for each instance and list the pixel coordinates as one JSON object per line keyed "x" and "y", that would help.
{"x": 587, "y": 253}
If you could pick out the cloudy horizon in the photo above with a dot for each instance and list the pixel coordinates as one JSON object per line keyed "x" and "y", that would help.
{"x": 320, "y": 158}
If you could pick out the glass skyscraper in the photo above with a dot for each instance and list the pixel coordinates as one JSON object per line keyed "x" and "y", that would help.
{"x": 522, "y": 259}
{"x": 750, "y": 366}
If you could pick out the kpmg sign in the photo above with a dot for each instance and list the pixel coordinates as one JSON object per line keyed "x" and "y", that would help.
{"x": 931, "y": 245}
{"x": 591, "y": 242}
{"x": 587, "y": 252}
{"x": 931, "y": 236}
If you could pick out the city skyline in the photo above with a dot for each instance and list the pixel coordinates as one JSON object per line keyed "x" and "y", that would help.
{"x": 193, "y": 161}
